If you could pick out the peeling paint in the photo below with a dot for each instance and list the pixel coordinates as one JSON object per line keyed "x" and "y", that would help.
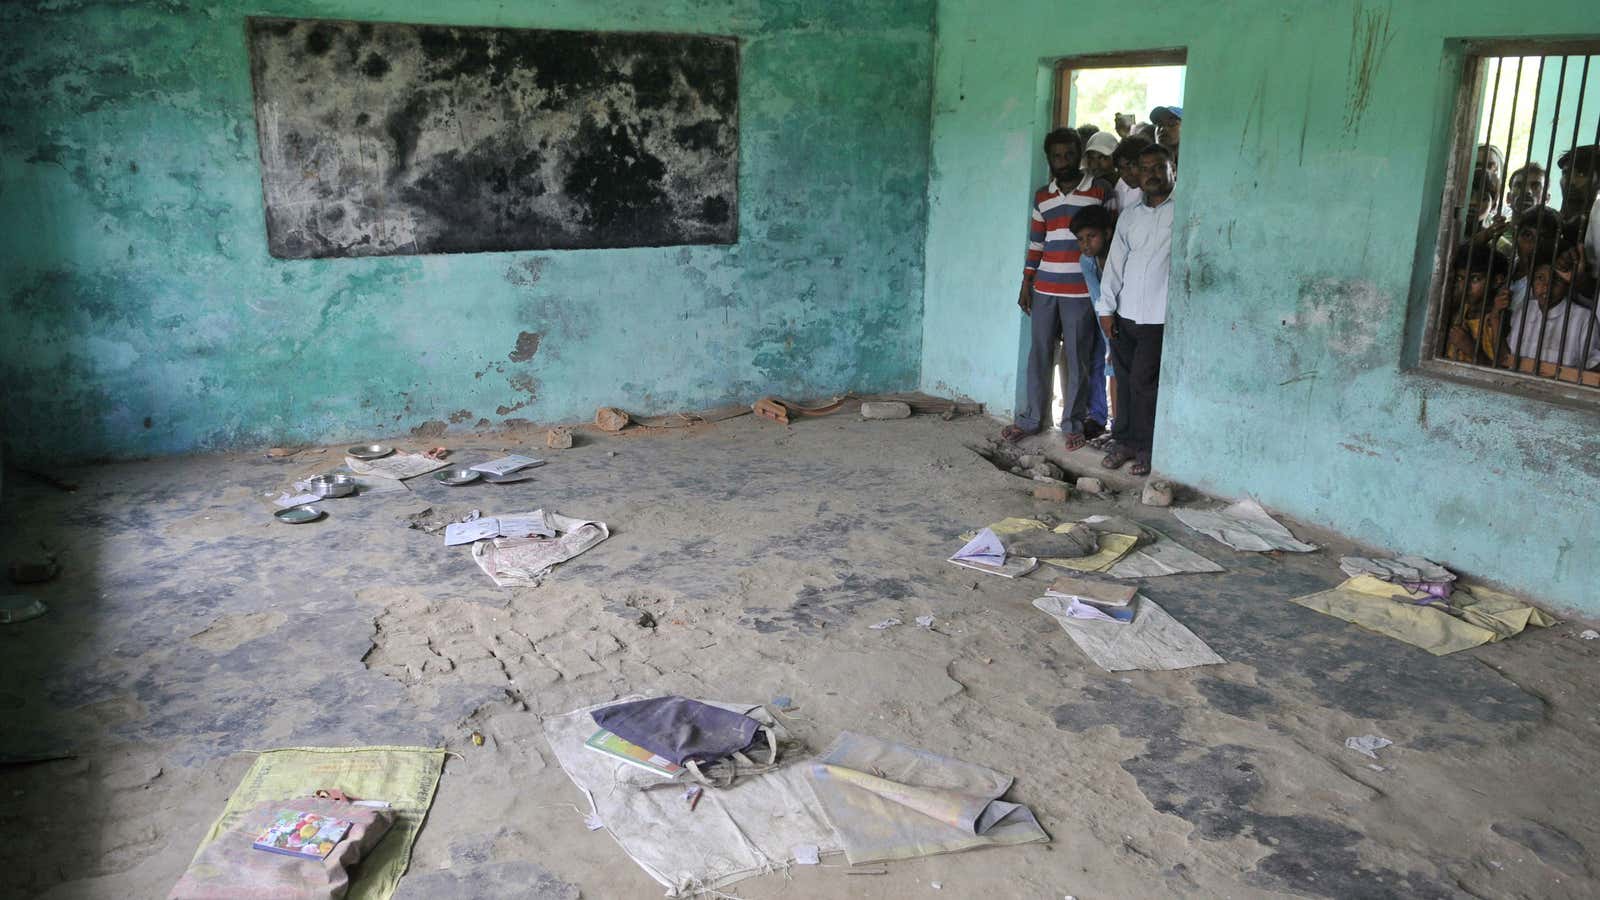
{"x": 527, "y": 346}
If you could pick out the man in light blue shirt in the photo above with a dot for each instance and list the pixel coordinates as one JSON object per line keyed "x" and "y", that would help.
{"x": 1133, "y": 294}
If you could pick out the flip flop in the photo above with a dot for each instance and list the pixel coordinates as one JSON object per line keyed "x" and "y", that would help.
{"x": 1140, "y": 467}
{"x": 1116, "y": 457}
{"x": 1012, "y": 434}
{"x": 1074, "y": 441}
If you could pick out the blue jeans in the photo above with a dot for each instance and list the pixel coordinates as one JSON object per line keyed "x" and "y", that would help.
{"x": 1071, "y": 322}
{"x": 1099, "y": 410}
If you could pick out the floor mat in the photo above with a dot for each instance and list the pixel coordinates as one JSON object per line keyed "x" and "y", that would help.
{"x": 404, "y": 776}
{"x": 889, "y": 801}
{"x": 730, "y": 833}
{"x": 1153, "y": 641}
{"x": 1477, "y": 614}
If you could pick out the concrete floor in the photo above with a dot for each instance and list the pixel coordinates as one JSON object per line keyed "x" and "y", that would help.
{"x": 188, "y": 629}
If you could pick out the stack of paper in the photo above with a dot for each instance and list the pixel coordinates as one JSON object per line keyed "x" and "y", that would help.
{"x": 985, "y": 553}
{"x": 505, "y": 465}
{"x": 1093, "y": 599}
{"x": 524, "y": 525}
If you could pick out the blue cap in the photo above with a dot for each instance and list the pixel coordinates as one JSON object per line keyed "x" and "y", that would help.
{"x": 1174, "y": 111}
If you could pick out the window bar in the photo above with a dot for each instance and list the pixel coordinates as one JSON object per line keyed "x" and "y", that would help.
{"x": 1544, "y": 316}
{"x": 1572, "y": 286}
{"x": 1527, "y": 299}
{"x": 1511, "y": 130}
{"x": 1454, "y": 311}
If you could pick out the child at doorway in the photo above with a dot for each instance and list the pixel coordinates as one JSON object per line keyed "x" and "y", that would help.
{"x": 1093, "y": 226}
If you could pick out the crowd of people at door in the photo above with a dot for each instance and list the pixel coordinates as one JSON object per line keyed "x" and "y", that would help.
{"x": 1520, "y": 294}
{"x": 1522, "y": 286}
{"x": 1095, "y": 284}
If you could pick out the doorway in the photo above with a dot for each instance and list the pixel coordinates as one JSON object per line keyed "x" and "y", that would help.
{"x": 1115, "y": 93}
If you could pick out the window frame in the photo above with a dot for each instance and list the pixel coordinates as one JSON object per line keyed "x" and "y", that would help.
{"x": 1060, "y": 107}
{"x": 1462, "y": 146}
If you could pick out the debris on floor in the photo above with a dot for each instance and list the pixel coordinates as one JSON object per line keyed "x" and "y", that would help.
{"x": 1367, "y": 744}
{"x": 1110, "y": 547}
{"x": 887, "y": 801}
{"x": 520, "y": 560}
{"x": 609, "y": 418}
{"x": 1472, "y": 615}
{"x": 885, "y": 624}
{"x": 885, "y": 409}
{"x": 341, "y": 834}
{"x": 17, "y": 608}
{"x": 398, "y": 466}
{"x": 558, "y": 439}
{"x": 984, "y": 552}
{"x": 33, "y": 571}
{"x": 403, "y": 779}
{"x": 1152, "y": 641}
{"x": 1243, "y": 526}
{"x": 742, "y": 830}
{"x": 1156, "y": 493}
{"x": 1412, "y": 572}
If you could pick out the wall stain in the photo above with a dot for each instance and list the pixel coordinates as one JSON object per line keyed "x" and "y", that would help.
{"x": 431, "y": 428}
{"x": 459, "y": 416}
{"x": 527, "y": 346}
{"x": 1370, "y": 39}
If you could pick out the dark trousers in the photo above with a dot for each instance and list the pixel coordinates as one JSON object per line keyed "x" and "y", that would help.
{"x": 1136, "y": 360}
{"x": 1070, "y": 322}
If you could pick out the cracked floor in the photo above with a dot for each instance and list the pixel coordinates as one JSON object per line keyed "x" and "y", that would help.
{"x": 188, "y": 629}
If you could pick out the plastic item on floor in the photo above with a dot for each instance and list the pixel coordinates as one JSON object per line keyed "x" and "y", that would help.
{"x": 1153, "y": 641}
{"x": 1243, "y": 526}
{"x": 748, "y": 828}
{"x": 888, "y": 801}
{"x": 679, "y": 729}
{"x": 403, "y": 777}
{"x": 1474, "y": 615}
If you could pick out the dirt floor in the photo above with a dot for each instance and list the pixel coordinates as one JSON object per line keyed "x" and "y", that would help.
{"x": 189, "y": 629}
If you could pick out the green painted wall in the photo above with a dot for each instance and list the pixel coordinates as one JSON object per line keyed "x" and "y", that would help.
{"x": 1308, "y": 192}
{"x": 141, "y": 314}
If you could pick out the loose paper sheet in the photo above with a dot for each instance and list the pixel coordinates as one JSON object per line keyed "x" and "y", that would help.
{"x": 1153, "y": 641}
{"x": 1243, "y": 526}
{"x": 505, "y": 465}
{"x": 397, "y": 465}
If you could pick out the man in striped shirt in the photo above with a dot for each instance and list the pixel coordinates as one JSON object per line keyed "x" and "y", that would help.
{"x": 1055, "y": 296}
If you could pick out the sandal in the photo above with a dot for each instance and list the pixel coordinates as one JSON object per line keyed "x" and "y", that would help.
{"x": 1012, "y": 434}
{"x": 1141, "y": 466}
{"x": 1116, "y": 457}
{"x": 1074, "y": 441}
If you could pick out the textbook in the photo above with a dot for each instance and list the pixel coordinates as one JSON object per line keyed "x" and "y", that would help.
{"x": 605, "y": 742}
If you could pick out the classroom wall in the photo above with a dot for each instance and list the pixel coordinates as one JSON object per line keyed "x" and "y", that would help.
{"x": 140, "y": 312}
{"x": 1308, "y": 200}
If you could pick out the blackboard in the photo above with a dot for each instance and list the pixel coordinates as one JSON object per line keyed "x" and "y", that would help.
{"x": 383, "y": 139}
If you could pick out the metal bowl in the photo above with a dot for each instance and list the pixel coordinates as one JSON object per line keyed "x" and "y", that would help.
{"x": 336, "y": 485}
{"x": 298, "y": 515}
{"x": 370, "y": 451}
{"x": 508, "y": 478}
{"x": 455, "y": 477}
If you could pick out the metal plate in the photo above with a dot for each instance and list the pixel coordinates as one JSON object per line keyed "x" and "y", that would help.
{"x": 509, "y": 477}
{"x": 455, "y": 477}
{"x": 299, "y": 515}
{"x": 370, "y": 451}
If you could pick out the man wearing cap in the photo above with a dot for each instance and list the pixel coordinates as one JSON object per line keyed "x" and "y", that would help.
{"x": 1097, "y": 153}
{"x": 1169, "y": 123}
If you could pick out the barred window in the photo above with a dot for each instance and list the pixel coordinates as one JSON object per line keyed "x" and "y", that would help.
{"x": 1519, "y": 242}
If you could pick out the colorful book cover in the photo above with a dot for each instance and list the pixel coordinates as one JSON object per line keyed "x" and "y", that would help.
{"x": 605, "y": 742}
{"x": 302, "y": 834}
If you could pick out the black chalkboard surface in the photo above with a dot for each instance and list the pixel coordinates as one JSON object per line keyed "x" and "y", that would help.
{"x": 382, "y": 139}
